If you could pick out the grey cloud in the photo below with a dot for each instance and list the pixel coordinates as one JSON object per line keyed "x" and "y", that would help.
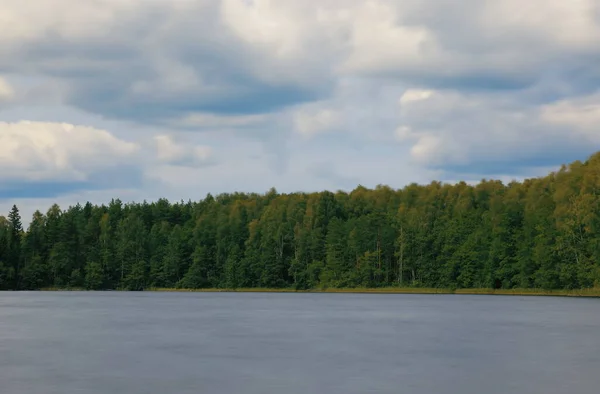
{"x": 327, "y": 171}
{"x": 123, "y": 176}
{"x": 236, "y": 77}
{"x": 102, "y": 72}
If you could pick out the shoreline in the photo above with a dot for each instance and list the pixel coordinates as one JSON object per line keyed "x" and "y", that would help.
{"x": 591, "y": 293}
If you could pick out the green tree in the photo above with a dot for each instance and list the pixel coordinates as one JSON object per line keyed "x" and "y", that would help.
{"x": 15, "y": 233}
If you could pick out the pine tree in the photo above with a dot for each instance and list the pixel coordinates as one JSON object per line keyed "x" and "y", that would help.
{"x": 15, "y": 234}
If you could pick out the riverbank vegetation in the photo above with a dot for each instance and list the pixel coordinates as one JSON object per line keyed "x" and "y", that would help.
{"x": 591, "y": 292}
{"x": 543, "y": 233}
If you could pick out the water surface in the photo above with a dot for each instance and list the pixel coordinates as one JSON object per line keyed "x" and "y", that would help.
{"x": 221, "y": 343}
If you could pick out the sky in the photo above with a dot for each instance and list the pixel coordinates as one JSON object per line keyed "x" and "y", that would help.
{"x": 143, "y": 99}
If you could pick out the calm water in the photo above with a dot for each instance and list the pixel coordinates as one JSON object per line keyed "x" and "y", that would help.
{"x": 92, "y": 343}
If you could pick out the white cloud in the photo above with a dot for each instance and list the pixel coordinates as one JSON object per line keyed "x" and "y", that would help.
{"x": 267, "y": 24}
{"x": 406, "y": 134}
{"x": 40, "y": 151}
{"x": 292, "y": 42}
{"x": 311, "y": 123}
{"x": 173, "y": 153}
{"x": 572, "y": 24}
{"x": 415, "y": 95}
{"x": 581, "y": 114}
{"x": 68, "y": 19}
{"x": 6, "y": 91}
{"x": 380, "y": 42}
{"x": 450, "y": 129}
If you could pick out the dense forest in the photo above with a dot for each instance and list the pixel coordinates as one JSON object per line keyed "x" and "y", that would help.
{"x": 540, "y": 233}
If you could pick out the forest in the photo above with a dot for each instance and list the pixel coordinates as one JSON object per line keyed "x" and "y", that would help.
{"x": 541, "y": 233}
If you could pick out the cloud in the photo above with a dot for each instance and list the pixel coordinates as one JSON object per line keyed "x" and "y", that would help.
{"x": 415, "y": 95}
{"x": 173, "y": 153}
{"x": 167, "y": 74}
{"x": 126, "y": 176}
{"x": 199, "y": 120}
{"x": 165, "y": 60}
{"x": 379, "y": 42}
{"x": 581, "y": 114}
{"x": 494, "y": 135}
{"x": 574, "y": 25}
{"x": 6, "y": 91}
{"x": 41, "y": 152}
{"x": 327, "y": 171}
{"x": 358, "y": 110}
{"x": 483, "y": 45}
{"x": 58, "y": 151}
{"x": 308, "y": 124}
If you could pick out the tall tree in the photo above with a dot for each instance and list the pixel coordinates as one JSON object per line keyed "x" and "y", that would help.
{"x": 15, "y": 233}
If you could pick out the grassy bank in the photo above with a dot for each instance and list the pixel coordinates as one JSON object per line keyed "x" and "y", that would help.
{"x": 63, "y": 289}
{"x": 595, "y": 292}
{"x": 409, "y": 290}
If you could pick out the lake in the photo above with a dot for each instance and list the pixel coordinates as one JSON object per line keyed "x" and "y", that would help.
{"x": 259, "y": 343}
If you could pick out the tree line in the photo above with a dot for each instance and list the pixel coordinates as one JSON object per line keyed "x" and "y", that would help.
{"x": 539, "y": 233}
